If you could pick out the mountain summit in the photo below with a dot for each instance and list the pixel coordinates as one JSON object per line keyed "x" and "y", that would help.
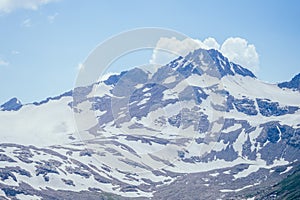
{"x": 211, "y": 62}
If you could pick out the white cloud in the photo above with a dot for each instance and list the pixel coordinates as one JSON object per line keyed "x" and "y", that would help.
{"x": 26, "y": 23}
{"x": 51, "y": 18}
{"x": 170, "y": 48}
{"x": 211, "y": 43}
{"x": 3, "y": 62}
{"x": 239, "y": 51}
{"x": 8, "y": 6}
{"x": 235, "y": 49}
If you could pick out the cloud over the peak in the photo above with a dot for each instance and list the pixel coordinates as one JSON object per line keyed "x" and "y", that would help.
{"x": 8, "y": 6}
{"x": 211, "y": 43}
{"x": 236, "y": 49}
{"x": 239, "y": 51}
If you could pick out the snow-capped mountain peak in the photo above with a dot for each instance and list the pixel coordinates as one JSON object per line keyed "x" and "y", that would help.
{"x": 210, "y": 62}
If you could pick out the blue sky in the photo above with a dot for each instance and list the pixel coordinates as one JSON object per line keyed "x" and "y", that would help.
{"x": 42, "y": 45}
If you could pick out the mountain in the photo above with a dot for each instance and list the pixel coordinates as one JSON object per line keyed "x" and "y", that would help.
{"x": 293, "y": 84}
{"x": 200, "y": 127}
{"x": 12, "y": 104}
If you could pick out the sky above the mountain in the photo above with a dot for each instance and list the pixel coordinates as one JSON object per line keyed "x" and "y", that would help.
{"x": 43, "y": 42}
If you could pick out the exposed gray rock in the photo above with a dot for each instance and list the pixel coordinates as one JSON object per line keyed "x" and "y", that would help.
{"x": 68, "y": 182}
{"x": 268, "y": 108}
{"x": 4, "y": 157}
